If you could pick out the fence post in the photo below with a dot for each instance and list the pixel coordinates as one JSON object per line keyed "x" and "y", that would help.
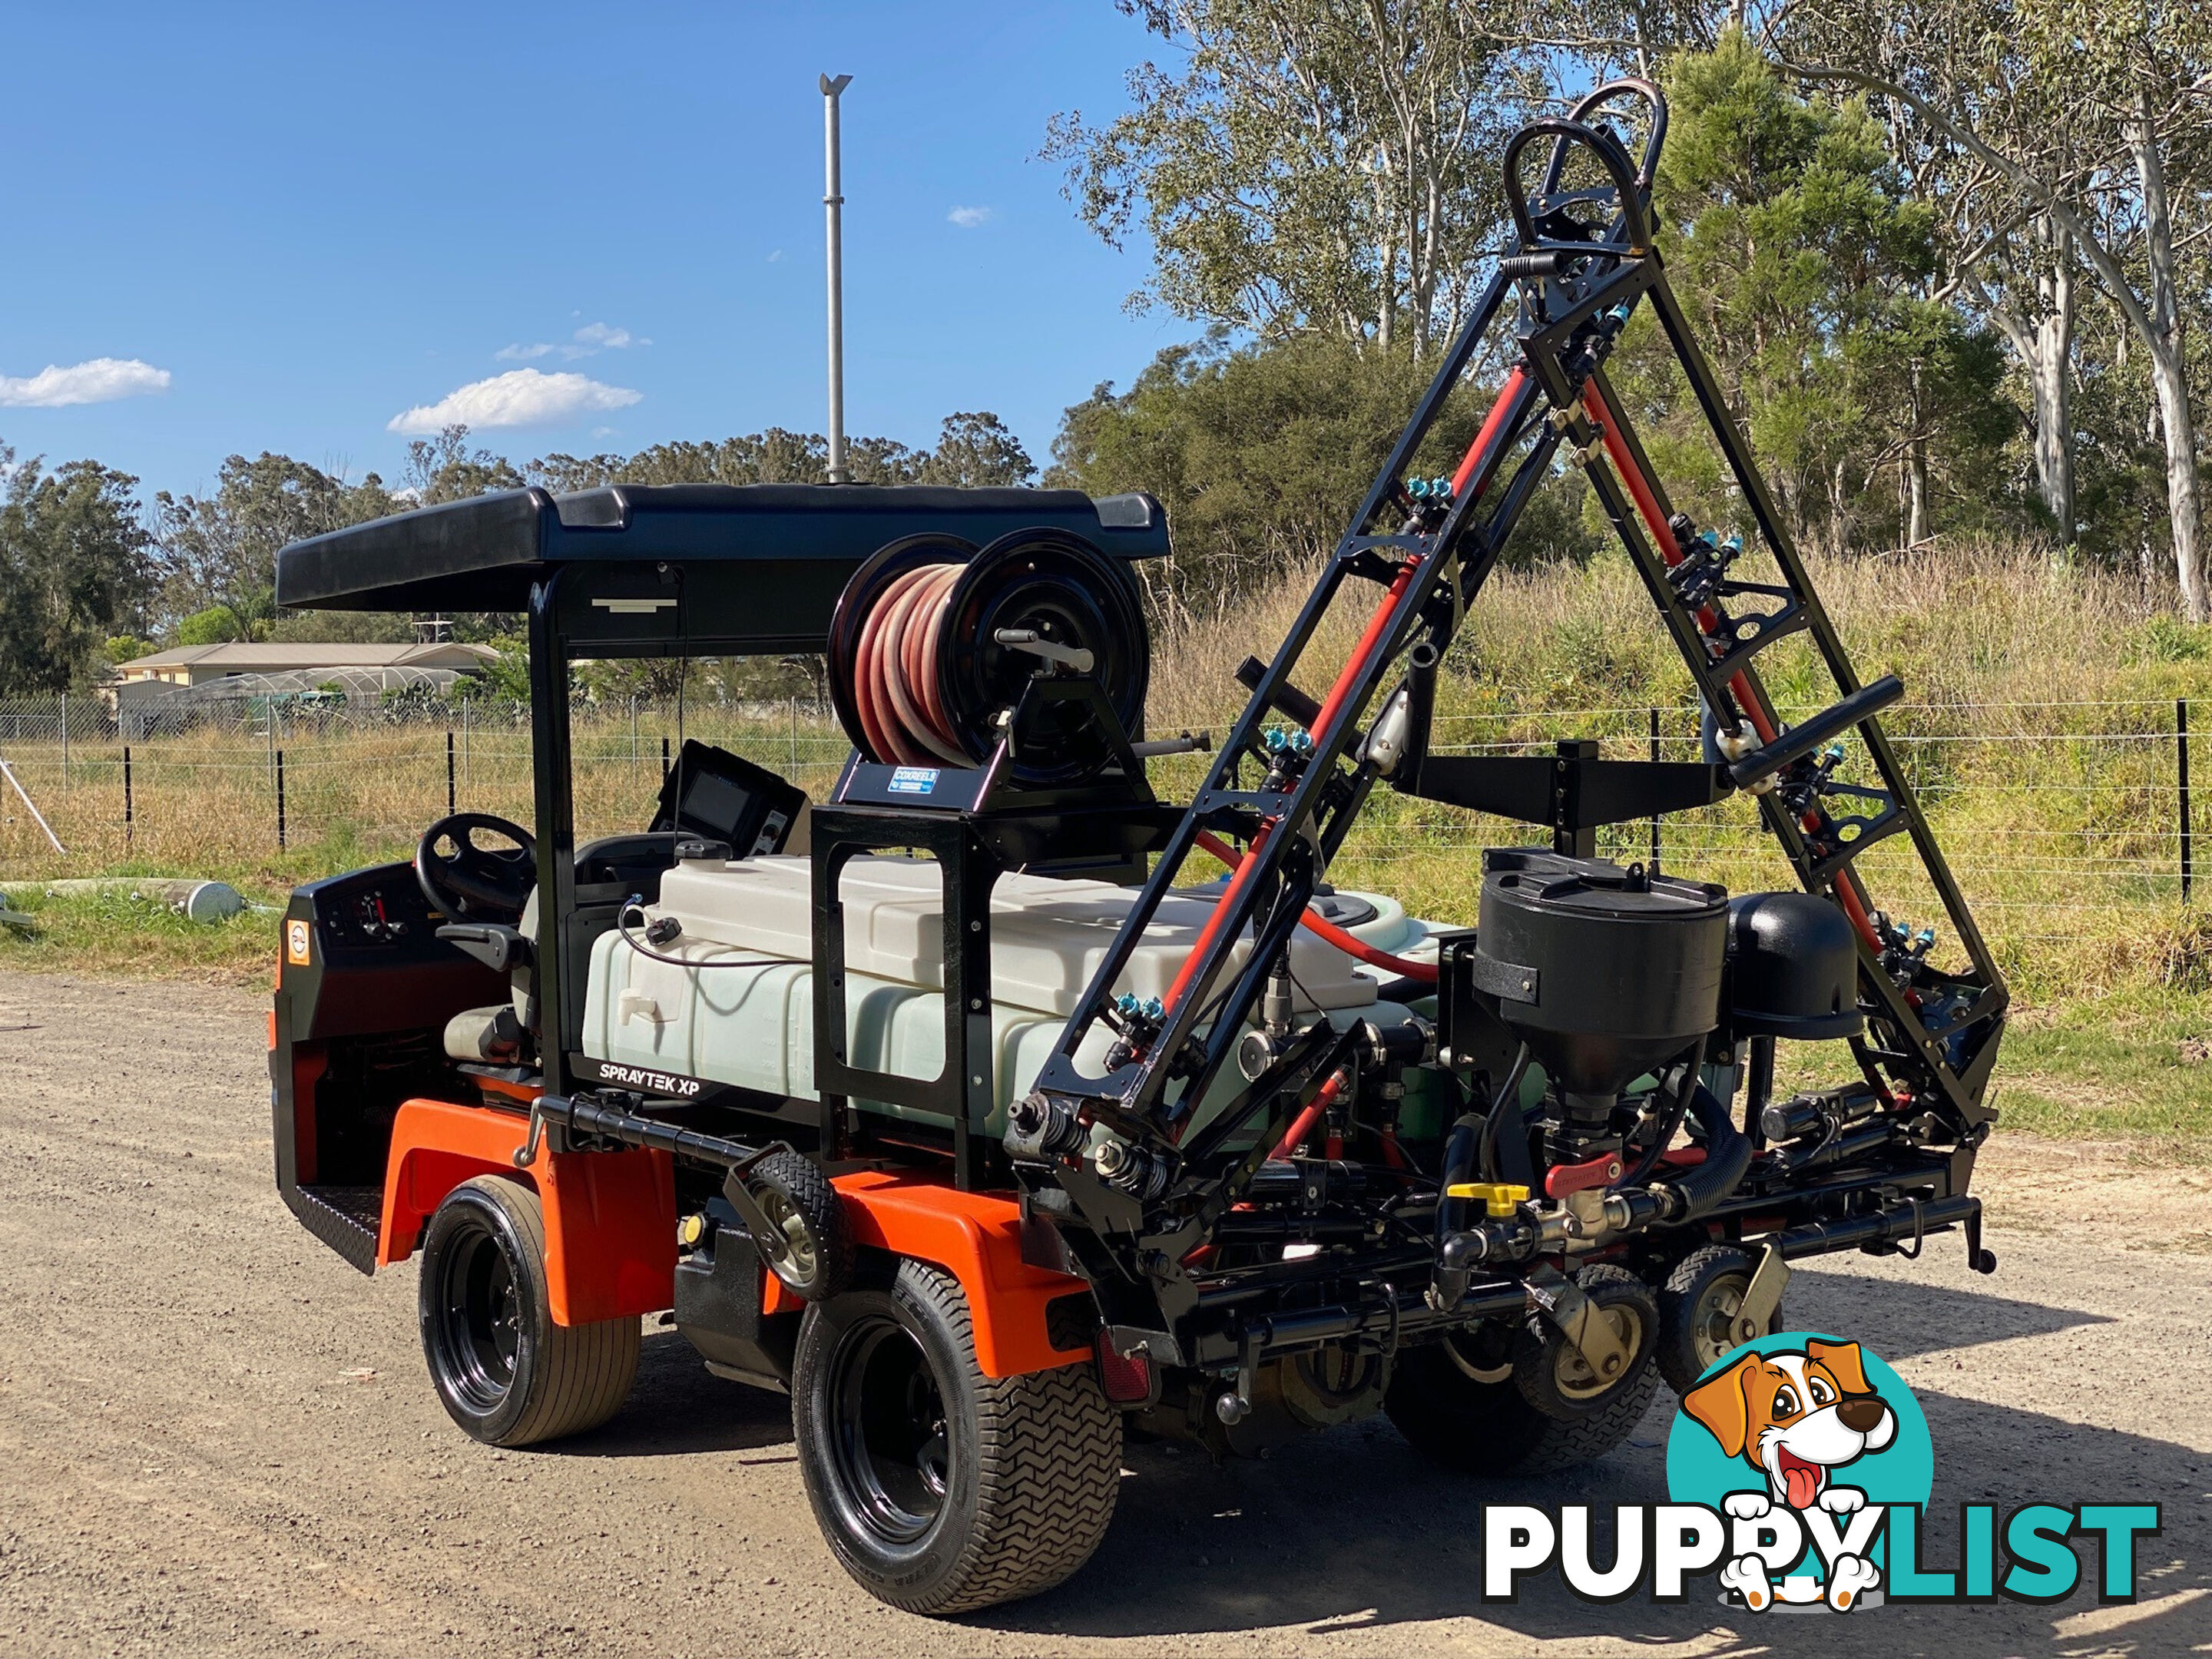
{"x": 468, "y": 761}
{"x": 66, "y": 757}
{"x": 1654, "y": 816}
{"x": 794, "y": 736}
{"x": 128, "y": 828}
{"x": 2181, "y": 774}
{"x": 451, "y": 804}
{"x": 664, "y": 761}
{"x": 280, "y": 800}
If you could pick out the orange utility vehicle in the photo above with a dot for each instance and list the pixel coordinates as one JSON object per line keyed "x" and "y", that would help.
{"x": 976, "y": 1107}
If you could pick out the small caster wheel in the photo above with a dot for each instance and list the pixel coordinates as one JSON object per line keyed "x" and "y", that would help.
{"x": 809, "y": 1246}
{"x": 1701, "y": 1314}
{"x": 1552, "y": 1373}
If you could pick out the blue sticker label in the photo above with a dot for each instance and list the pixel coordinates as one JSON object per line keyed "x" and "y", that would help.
{"x": 914, "y": 781}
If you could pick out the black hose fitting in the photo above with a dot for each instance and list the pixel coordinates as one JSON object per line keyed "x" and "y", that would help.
{"x": 1728, "y": 1156}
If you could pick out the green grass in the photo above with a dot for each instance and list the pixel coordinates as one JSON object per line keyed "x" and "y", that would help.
{"x": 117, "y": 935}
{"x": 2112, "y": 1069}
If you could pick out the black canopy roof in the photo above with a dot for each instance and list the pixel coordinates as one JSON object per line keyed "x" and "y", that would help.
{"x": 798, "y": 543}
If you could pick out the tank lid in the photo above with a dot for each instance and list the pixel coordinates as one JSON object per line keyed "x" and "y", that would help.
{"x": 1597, "y": 887}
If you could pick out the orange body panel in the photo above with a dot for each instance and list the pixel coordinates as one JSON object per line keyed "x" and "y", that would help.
{"x": 609, "y": 1217}
{"x": 978, "y": 1237}
{"x": 610, "y": 1228}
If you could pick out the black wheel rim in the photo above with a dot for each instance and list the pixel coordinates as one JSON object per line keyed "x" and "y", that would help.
{"x": 891, "y": 1438}
{"x": 479, "y": 1319}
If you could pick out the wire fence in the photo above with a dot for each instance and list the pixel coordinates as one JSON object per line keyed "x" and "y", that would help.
{"x": 2064, "y": 822}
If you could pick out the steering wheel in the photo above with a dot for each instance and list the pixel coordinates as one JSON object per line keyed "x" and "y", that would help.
{"x": 479, "y": 884}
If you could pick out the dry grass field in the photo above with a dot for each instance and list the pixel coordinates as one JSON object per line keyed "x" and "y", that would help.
{"x": 2040, "y": 725}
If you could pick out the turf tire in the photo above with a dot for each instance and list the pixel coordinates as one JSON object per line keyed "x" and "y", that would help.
{"x": 1027, "y": 1471}
{"x": 505, "y": 1371}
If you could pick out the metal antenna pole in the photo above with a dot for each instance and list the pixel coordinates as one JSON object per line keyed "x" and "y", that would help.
{"x": 833, "y": 203}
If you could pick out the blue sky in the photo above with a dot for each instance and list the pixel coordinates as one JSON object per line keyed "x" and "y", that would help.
{"x": 312, "y": 220}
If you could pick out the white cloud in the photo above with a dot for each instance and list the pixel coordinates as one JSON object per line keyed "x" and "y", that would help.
{"x": 521, "y": 396}
{"x": 969, "y": 217}
{"x": 101, "y": 380}
{"x": 776, "y": 258}
{"x": 587, "y": 342}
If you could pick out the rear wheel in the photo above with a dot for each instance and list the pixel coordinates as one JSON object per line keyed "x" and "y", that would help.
{"x": 1456, "y": 1402}
{"x": 506, "y": 1373}
{"x": 939, "y": 1489}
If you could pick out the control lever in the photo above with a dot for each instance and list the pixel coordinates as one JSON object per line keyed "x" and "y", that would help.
{"x": 1028, "y": 639}
{"x": 496, "y": 946}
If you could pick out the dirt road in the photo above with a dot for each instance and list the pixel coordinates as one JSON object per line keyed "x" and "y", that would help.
{"x": 216, "y": 1437}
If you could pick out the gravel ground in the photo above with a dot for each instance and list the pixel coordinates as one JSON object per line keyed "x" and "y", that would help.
{"x": 216, "y": 1437}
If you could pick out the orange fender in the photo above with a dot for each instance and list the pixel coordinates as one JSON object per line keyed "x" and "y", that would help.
{"x": 609, "y": 1217}
{"x": 976, "y": 1236}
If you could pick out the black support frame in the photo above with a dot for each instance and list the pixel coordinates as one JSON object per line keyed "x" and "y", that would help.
{"x": 1435, "y": 570}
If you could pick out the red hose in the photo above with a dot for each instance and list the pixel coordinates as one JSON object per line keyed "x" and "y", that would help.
{"x": 1377, "y": 626}
{"x": 1239, "y": 871}
{"x": 1302, "y": 1126}
{"x": 1490, "y": 424}
{"x": 1848, "y": 894}
{"x": 895, "y": 690}
{"x": 1328, "y": 931}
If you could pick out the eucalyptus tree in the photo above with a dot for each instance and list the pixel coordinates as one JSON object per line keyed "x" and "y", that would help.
{"x": 2099, "y": 116}
{"x": 1305, "y": 165}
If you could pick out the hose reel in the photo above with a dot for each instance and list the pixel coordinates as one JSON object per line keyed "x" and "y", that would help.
{"x": 933, "y": 643}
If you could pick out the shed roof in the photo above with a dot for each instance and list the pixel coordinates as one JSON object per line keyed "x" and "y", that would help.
{"x": 280, "y": 656}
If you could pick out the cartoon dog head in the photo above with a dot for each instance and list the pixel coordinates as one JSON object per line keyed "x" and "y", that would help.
{"x": 1794, "y": 1416}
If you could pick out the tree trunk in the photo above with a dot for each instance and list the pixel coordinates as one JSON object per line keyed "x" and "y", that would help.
{"x": 2050, "y": 378}
{"x": 2044, "y": 343}
{"x": 2167, "y": 371}
{"x": 1916, "y": 473}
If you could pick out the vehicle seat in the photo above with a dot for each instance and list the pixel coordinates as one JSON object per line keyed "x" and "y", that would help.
{"x": 497, "y": 1035}
{"x": 608, "y": 871}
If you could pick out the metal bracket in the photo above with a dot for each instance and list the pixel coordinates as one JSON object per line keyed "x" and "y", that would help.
{"x": 1502, "y": 979}
{"x": 767, "y": 1237}
{"x": 1762, "y": 1296}
{"x": 1580, "y": 1320}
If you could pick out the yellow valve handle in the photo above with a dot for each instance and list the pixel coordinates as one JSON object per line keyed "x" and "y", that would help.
{"x": 1499, "y": 1198}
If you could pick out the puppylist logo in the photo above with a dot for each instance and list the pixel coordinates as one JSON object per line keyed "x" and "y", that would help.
{"x": 1800, "y": 1468}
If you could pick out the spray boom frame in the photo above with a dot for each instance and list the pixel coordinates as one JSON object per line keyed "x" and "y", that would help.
{"x": 1931, "y": 1037}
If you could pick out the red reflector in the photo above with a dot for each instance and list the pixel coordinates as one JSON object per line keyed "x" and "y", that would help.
{"x": 1126, "y": 1378}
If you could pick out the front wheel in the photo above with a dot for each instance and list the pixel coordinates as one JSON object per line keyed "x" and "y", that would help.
{"x": 942, "y": 1490}
{"x": 506, "y": 1373}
